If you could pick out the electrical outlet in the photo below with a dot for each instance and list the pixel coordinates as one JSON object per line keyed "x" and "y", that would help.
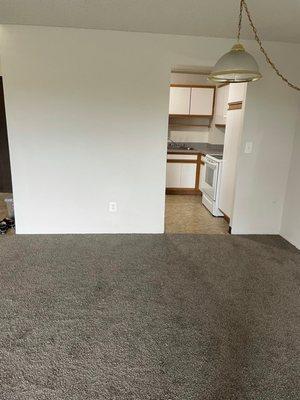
{"x": 248, "y": 147}
{"x": 112, "y": 206}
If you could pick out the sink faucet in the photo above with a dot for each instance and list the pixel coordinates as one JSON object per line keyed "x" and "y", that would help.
{"x": 172, "y": 141}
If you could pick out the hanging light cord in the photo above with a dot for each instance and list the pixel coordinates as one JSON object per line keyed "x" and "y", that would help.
{"x": 244, "y": 6}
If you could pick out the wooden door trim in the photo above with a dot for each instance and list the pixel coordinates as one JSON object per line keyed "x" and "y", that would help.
{"x": 190, "y": 191}
{"x": 227, "y": 219}
{"x": 183, "y": 161}
{"x": 214, "y": 103}
{"x": 220, "y": 125}
{"x": 235, "y": 105}
{"x": 182, "y": 191}
{"x": 192, "y": 86}
{"x": 197, "y": 175}
{"x": 222, "y": 85}
{"x": 190, "y": 153}
{"x": 188, "y": 72}
{"x": 190, "y": 115}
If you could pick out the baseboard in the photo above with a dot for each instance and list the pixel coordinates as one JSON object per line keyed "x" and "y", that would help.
{"x": 227, "y": 219}
{"x": 295, "y": 243}
{"x": 183, "y": 191}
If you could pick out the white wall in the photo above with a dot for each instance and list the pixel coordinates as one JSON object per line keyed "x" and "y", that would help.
{"x": 87, "y": 118}
{"x": 290, "y": 228}
{"x": 199, "y": 135}
{"x": 270, "y": 117}
{"x": 216, "y": 135}
{"x": 233, "y": 135}
{"x": 180, "y": 78}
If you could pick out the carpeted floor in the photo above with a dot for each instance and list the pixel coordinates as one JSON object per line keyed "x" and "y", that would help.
{"x": 148, "y": 317}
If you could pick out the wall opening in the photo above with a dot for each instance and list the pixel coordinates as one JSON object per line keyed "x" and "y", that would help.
{"x": 205, "y": 126}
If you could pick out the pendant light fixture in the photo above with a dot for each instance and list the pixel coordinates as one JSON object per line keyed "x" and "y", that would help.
{"x": 236, "y": 66}
{"x": 239, "y": 66}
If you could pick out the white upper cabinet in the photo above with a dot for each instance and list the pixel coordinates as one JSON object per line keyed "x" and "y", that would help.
{"x": 179, "y": 100}
{"x": 221, "y": 104}
{"x": 202, "y": 101}
{"x": 191, "y": 101}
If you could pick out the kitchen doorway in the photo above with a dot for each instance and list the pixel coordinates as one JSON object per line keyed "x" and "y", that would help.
{"x": 187, "y": 214}
{"x": 205, "y": 126}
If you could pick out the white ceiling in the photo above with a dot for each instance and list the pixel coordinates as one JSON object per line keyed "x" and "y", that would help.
{"x": 276, "y": 19}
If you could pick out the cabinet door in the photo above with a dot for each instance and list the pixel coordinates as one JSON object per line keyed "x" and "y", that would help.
{"x": 179, "y": 100}
{"x": 173, "y": 175}
{"x": 188, "y": 176}
{"x": 202, "y": 100}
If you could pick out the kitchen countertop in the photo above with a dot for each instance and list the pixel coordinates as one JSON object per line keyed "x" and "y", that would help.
{"x": 198, "y": 148}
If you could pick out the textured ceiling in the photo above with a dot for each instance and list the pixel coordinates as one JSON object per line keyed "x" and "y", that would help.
{"x": 276, "y": 19}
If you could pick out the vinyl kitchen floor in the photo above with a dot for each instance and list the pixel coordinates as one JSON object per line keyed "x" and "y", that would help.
{"x": 186, "y": 214}
{"x": 3, "y": 209}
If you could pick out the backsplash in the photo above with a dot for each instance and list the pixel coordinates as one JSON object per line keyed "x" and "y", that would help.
{"x": 205, "y": 135}
{"x": 190, "y": 136}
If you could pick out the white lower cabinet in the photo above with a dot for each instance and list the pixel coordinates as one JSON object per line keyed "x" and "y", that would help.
{"x": 181, "y": 175}
{"x": 173, "y": 175}
{"x": 188, "y": 176}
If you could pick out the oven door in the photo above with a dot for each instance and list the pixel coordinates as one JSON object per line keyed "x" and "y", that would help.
{"x": 211, "y": 178}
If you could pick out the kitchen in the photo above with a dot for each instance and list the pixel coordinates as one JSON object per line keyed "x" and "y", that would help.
{"x": 205, "y": 126}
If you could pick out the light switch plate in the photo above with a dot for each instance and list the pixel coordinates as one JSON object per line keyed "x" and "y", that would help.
{"x": 112, "y": 206}
{"x": 248, "y": 147}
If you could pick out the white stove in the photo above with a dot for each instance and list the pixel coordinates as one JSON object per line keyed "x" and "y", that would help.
{"x": 211, "y": 184}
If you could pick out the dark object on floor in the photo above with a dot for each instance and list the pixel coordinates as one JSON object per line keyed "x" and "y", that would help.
{"x": 5, "y": 224}
{"x": 3, "y": 227}
{"x": 10, "y": 222}
{"x": 148, "y": 317}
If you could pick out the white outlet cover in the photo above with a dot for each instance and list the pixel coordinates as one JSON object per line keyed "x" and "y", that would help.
{"x": 112, "y": 206}
{"x": 248, "y": 147}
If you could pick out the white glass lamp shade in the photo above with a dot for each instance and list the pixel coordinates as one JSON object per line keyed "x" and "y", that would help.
{"x": 235, "y": 66}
